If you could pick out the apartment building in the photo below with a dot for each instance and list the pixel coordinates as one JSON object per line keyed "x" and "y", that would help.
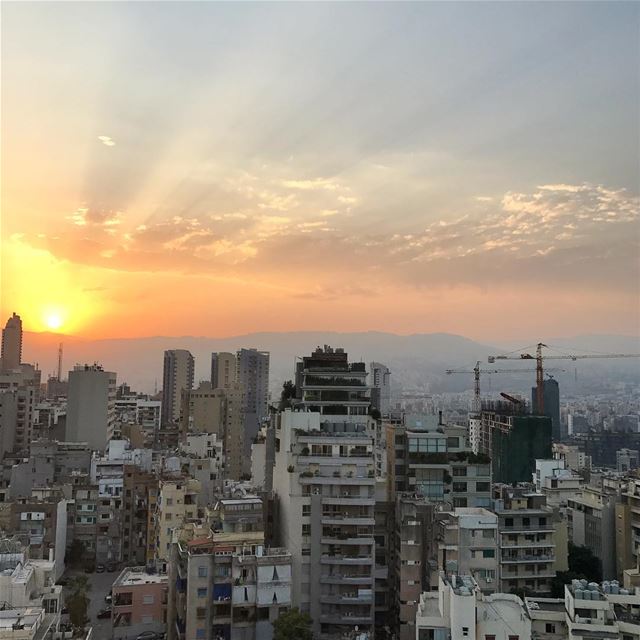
{"x": 459, "y": 610}
{"x": 224, "y": 582}
{"x": 202, "y": 455}
{"x": 557, "y": 483}
{"x": 532, "y": 540}
{"x": 591, "y": 518}
{"x": 574, "y": 459}
{"x": 466, "y": 543}
{"x": 139, "y": 603}
{"x": 138, "y": 489}
{"x": 176, "y": 504}
{"x": 587, "y": 611}
{"x": 91, "y": 405}
{"x": 325, "y": 482}
{"x": 177, "y": 376}
{"x": 408, "y": 563}
{"x": 427, "y": 457}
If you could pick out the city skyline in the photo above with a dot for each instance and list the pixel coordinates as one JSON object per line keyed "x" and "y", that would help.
{"x": 469, "y": 168}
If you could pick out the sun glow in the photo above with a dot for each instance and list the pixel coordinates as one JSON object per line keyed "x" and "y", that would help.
{"x": 53, "y": 320}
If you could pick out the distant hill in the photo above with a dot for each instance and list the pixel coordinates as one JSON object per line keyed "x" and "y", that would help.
{"x": 417, "y": 360}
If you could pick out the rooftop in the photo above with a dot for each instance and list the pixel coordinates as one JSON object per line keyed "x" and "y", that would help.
{"x": 132, "y": 576}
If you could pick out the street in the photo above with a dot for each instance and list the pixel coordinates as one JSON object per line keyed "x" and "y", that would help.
{"x": 100, "y": 585}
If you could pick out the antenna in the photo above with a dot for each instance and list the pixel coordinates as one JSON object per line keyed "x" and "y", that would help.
{"x": 60, "y": 362}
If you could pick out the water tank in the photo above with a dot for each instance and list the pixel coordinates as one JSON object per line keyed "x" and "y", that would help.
{"x": 579, "y": 594}
{"x": 606, "y": 587}
{"x": 575, "y": 584}
{"x": 584, "y": 583}
{"x": 624, "y": 592}
{"x": 615, "y": 588}
{"x": 586, "y": 594}
{"x": 593, "y": 586}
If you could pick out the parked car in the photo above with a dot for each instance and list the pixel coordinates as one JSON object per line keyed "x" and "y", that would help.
{"x": 104, "y": 613}
{"x": 100, "y": 568}
{"x": 108, "y": 598}
{"x": 150, "y": 635}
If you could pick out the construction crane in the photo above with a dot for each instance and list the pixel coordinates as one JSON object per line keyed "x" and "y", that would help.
{"x": 538, "y": 357}
{"x": 476, "y": 380}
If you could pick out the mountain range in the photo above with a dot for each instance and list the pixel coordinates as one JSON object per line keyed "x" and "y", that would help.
{"x": 416, "y": 361}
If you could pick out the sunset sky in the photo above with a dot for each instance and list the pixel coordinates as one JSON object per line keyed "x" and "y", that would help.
{"x": 220, "y": 168}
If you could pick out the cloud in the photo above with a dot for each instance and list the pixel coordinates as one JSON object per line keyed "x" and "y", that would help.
{"x": 580, "y": 235}
{"x": 107, "y": 141}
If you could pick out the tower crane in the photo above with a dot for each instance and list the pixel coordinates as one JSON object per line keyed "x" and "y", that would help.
{"x": 476, "y": 379}
{"x": 538, "y": 357}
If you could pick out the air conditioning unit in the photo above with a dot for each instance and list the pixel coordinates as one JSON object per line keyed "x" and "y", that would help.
{"x": 489, "y": 580}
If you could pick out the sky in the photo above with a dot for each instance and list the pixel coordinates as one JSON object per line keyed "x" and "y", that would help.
{"x": 213, "y": 169}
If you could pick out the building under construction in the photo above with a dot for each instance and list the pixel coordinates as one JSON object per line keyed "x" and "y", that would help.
{"x": 513, "y": 438}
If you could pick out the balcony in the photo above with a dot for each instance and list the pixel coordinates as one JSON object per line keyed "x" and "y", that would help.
{"x": 527, "y": 559}
{"x": 346, "y": 600}
{"x": 514, "y": 528}
{"x": 341, "y": 559}
{"x": 345, "y": 579}
{"x": 353, "y": 540}
{"x": 347, "y": 520}
{"x": 337, "y": 618}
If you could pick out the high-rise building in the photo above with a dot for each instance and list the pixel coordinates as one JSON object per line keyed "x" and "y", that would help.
{"x": 325, "y": 481}
{"x": 91, "y": 405}
{"x": 380, "y": 381}
{"x": 219, "y": 411}
{"x": 253, "y": 375}
{"x": 513, "y": 439}
{"x": 532, "y": 540}
{"x": 433, "y": 460}
{"x": 467, "y": 544}
{"x": 551, "y": 407}
{"x": 223, "y": 370}
{"x": 177, "y": 377}
{"x": 11, "y": 356}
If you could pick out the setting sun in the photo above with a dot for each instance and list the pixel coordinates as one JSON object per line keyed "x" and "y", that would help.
{"x": 53, "y": 321}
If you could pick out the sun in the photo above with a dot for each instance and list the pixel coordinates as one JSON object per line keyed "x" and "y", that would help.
{"x": 53, "y": 320}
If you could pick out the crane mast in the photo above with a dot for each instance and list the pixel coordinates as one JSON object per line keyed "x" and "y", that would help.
{"x": 539, "y": 358}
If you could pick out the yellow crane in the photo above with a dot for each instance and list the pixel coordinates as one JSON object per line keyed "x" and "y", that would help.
{"x": 538, "y": 357}
{"x": 476, "y": 379}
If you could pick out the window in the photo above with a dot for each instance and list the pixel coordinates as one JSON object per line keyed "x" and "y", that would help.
{"x": 201, "y": 613}
{"x": 459, "y": 487}
{"x": 508, "y": 522}
{"x": 514, "y": 637}
{"x": 453, "y": 442}
{"x": 306, "y": 551}
{"x": 487, "y": 533}
{"x": 465, "y": 631}
{"x": 306, "y": 529}
{"x": 489, "y": 637}
{"x": 148, "y": 599}
{"x": 482, "y": 486}
{"x": 169, "y": 502}
{"x": 202, "y": 592}
{"x": 488, "y": 553}
{"x": 459, "y": 471}
{"x": 147, "y": 619}
{"x": 550, "y": 628}
{"x": 202, "y": 572}
{"x": 306, "y": 509}
{"x": 201, "y": 633}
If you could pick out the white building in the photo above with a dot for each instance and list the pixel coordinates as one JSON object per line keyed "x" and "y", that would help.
{"x": 459, "y": 611}
{"x": 91, "y": 405}
{"x": 587, "y": 611}
{"x": 557, "y": 483}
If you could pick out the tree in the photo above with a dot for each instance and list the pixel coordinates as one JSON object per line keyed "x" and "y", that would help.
{"x": 75, "y": 553}
{"x": 288, "y": 392}
{"x": 78, "y": 601}
{"x": 583, "y": 565}
{"x": 293, "y": 625}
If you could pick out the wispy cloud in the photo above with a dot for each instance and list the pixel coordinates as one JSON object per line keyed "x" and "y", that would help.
{"x": 107, "y": 141}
